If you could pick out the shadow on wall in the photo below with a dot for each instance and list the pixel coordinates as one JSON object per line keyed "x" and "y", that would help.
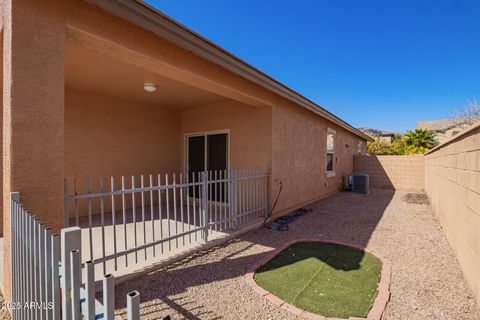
{"x": 393, "y": 172}
{"x": 345, "y": 217}
{"x": 370, "y": 164}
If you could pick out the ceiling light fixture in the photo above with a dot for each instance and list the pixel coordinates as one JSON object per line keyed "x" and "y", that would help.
{"x": 149, "y": 87}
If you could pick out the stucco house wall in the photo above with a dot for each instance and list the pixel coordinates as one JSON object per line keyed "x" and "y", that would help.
{"x": 250, "y": 131}
{"x": 105, "y": 136}
{"x": 299, "y": 157}
{"x": 452, "y": 182}
{"x": 288, "y": 141}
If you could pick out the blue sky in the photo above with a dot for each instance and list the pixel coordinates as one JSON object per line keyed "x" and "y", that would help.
{"x": 382, "y": 64}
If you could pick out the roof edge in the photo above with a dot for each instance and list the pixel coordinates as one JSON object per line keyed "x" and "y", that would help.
{"x": 151, "y": 19}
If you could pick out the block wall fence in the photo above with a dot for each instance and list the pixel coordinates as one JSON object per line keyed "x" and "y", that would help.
{"x": 392, "y": 172}
{"x": 452, "y": 182}
{"x": 450, "y": 175}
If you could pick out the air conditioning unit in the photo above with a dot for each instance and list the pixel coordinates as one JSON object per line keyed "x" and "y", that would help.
{"x": 358, "y": 182}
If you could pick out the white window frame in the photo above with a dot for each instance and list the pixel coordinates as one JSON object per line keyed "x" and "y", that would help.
{"x": 360, "y": 148}
{"x": 330, "y": 173}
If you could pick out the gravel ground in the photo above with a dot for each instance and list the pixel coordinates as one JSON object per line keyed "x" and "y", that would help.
{"x": 426, "y": 279}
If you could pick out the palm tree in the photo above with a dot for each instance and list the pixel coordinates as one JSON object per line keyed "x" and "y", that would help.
{"x": 418, "y": 141}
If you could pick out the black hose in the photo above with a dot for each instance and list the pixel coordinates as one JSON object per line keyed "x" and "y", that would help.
{"x": 274, "y": 203}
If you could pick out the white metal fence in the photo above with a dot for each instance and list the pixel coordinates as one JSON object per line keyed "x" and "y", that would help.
{"x": 146, "y": 217}
{"x": 47, "y": 281}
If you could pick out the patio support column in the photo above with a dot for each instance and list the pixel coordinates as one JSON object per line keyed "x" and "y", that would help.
{"x": 33, "y": 113}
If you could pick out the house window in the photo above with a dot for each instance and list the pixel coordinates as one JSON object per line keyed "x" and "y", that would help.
{"x": 330, "y": 152}
{"x": 359, "y": 147}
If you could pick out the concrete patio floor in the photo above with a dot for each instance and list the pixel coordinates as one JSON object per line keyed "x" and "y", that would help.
{"x": 427, "y": 282}
{"x": 175, "y": 220}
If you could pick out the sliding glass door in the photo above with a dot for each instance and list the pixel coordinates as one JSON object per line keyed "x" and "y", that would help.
{"x": 207, "y": 151}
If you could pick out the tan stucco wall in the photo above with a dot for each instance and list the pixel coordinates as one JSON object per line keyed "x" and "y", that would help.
{"x": 392, "y": 172}
{"x": 102, "y": 137}
{"x": 1, "y": 130}
{"x": 452, "y": 182}
{"x": 105, "y": 136}
{"x": 250, "y": 131}
{"x": 299, "y": 156}
{"x": 33, "y": 85}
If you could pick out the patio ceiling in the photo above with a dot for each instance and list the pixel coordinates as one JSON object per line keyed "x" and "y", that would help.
{"x": 88, "y": 70}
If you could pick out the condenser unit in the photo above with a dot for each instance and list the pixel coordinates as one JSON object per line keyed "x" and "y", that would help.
{"x": 358, "y": 182}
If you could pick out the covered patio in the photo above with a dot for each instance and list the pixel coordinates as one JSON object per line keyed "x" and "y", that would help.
{"x": 113, "y": 126}
{"x": 137, "y": 141}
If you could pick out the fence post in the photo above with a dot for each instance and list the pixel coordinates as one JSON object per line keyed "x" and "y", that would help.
{"x": 38, "y": 274}
{"x": 90, "y": 289}
{"x": 234, "y": 198}
{"x": 205, "y": 204}
{"x": 32, "y": 264}
{"x": 14, "y": 197}
{"x": 55, "y": 277}
{"x": 71, "y": 239}
{"x": 267, "y": 206}
{"x": 48, "y": 272}
{"x": 108, "y": 297}
{"x": 75, "y": 277}
{"x": 133, "y": 305}
{"x": 41, "y": 270}
{"x": 65, "y": 204}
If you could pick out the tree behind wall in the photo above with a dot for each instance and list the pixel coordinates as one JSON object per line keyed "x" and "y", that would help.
{"x": 418, "y": 141}
{"x": 467, "y": 115}
{"x": 381, "y": 147}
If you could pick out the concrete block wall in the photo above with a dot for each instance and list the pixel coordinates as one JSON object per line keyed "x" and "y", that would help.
{"x": 452, "y": 182}
{"x": 392, "y": 172}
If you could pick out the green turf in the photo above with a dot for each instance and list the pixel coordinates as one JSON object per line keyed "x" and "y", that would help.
{"x": 327, "y": 279}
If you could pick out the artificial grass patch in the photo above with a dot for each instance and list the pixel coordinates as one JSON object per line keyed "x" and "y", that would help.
{"x": 332, "y": 280}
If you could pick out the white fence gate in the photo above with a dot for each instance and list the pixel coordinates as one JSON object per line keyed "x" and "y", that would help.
{"x": 46, "y": 272}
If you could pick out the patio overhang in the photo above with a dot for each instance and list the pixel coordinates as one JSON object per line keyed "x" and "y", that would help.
{"x": 110, "y": 71}
{"x": 114, "y": 127}
{"x": 150, "y": 66}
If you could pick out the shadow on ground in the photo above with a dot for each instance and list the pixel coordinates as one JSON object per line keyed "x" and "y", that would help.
{"x": 345, "y": 217}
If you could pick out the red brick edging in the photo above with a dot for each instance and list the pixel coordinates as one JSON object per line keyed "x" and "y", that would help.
{"x": 378, "y": 306}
